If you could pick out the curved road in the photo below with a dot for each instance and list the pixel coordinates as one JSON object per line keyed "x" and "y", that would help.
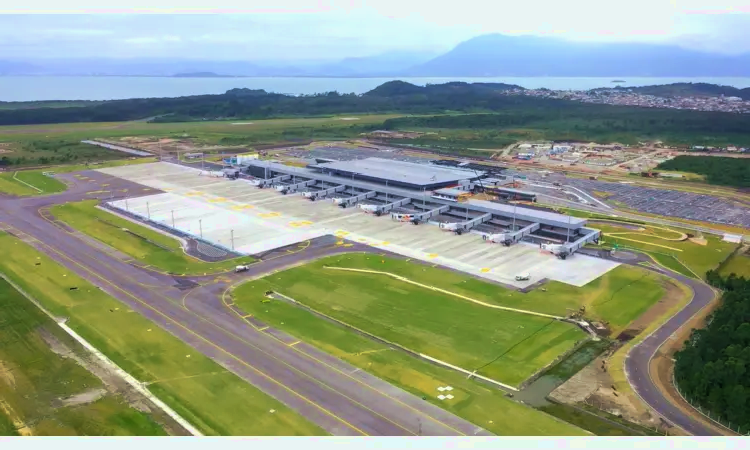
{"x": 323, "y": 388}
{"x": 638, "y": 361}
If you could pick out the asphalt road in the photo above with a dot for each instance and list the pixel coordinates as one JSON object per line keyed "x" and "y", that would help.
{"x": 335, "y": 395}
{"x": 340, "y": 398}
{"x": 638, "y": 360}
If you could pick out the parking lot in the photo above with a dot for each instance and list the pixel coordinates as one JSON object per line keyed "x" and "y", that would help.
{"x": 681, "y": 204}
{"x": 235, "y": 213}
{"x": 671, "y": 203}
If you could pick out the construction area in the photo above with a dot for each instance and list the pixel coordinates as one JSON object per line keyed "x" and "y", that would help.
{"x": 504, "y": 243}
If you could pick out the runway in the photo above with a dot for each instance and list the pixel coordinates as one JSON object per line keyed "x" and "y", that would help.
{"x": 336, "y": 396}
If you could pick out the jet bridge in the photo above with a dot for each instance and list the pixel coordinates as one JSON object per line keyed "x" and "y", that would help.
{"x": 261, "y": 183}
{"x": 349, "y": 201}
{"x": 463, "y": 227}
{"x": 511, "y": 237}
{"x": 590, "y": 236}
{"x": 417, "y": 218}
{"x": 389, "y": 206}
{"x": 291, "y": 188}
{"x": 314, "y": 195}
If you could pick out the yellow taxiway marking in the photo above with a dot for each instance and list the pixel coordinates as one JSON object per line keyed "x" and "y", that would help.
{"x": 262, "y": 329}
{"x": 242, "y": 207}
{"x": 247, "y": 316}
{"x": 432, "y": 255}
{"x": 105, "y": 185}
{"x": 218, "y": 200}
{"x": 301, "y": 223}
{"x": 269, "y": 215}
{"x": 294, "y": 343}
{"x": 484, "y": 269}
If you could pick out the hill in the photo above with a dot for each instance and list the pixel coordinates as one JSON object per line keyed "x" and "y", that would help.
{"x": 502, "y": 55}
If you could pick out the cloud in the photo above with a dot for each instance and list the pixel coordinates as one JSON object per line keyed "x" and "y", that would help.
{"x": 329, "y": 29}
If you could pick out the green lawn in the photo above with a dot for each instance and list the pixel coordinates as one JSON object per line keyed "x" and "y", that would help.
{"x": 33, "y": 379}
{"x": 215, "y": 401}
{"x": 698, "y": 258}
{"x": 618, "y": 297}
{"x": 738, "y": 264}
{"x": 13, "y": 187}
{"x": 477, "y": 402}
{"x": 50, "y": 185}
{"x": 46, "y": 184}
{"x": 506, "y": 346}
{"x": 108, "y": 228}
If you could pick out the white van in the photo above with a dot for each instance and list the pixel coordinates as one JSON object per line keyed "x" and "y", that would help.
{"x": 523, "y": 277}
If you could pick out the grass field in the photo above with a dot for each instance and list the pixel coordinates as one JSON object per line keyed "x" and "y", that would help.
{"x": 106, "y": 227}
{"x": 698, "y": 258}
{"x": 738, "y": 264}
{"x": 216, "y": 132}
{"x": 618, "y": 297}
{"x": 34, "y": 380}
{"x": 49, "y": 185}
{"x": 505, "y": 346}
{"x": 212, "y": 399}
{"x": 426, "y": 321}
{"x": 479, "y": 403}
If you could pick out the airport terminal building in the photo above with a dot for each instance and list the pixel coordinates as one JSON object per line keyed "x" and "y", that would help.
{"x": 426, "y": 193}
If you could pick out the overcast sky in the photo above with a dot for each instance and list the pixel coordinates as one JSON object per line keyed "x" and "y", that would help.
{"x": 295, "y": 29}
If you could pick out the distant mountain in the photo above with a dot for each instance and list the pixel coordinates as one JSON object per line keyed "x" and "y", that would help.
{"x": 201, "y": 75}
{"x": 524, "y": 56}
{"x": 386, "y": 64}
{"x": 16, "y": 67}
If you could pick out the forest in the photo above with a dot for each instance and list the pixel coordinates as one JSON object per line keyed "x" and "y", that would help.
{"x": 712, "y": 369}
{"x": 492, "y": 118}
{"x": 718, "y": 170}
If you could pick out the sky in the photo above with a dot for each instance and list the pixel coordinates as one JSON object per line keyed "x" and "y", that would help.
{"x": 294, "y": 30}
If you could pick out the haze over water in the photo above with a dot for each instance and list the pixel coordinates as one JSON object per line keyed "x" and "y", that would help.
{"x": 33, "y": 88}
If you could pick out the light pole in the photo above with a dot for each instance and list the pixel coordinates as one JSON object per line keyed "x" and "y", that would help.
{"x": 173, "y": 218}
{"x": 126, "y": 204}
{"x": 231, "y": 237}
{"x": 200, "y": 226}
{"x": 148, "y": 211}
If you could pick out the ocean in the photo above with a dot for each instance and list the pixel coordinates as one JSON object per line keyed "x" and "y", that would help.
{"x": 31, "y": 88}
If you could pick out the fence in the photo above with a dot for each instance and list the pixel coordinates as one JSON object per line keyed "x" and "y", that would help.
{"x": 713, "y": 417}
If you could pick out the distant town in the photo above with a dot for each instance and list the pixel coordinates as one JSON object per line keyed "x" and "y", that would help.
{"x": 629, "y": 98}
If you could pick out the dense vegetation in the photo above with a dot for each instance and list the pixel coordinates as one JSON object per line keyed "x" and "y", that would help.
{"x": 54, "y": 151}
{"x": 712, "y": 369}
{"x": 719, "y": 170}
{"x": 603, "y": 123}
{"x": 478, "y": 115}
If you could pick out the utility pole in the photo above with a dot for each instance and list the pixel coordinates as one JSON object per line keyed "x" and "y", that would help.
{"x": 173, "y": 218}
{"x": 231, "y": 237}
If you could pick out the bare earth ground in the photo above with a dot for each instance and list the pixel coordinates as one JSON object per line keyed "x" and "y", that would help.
{"x": 594, "y": 386}
{"x": 113, "y": 383}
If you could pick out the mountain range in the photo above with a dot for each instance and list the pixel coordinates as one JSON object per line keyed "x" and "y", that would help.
{"x": 493, "y": 55}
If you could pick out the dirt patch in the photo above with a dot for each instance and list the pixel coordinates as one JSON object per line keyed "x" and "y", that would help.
{"x": 6, "y": 375}
{"x": 698, "y": 240}
{"x": 113, "y": 384}
{"x": 84, "y": 398}
{"x": 662, "y": 365}
{"x": 593, "y": 386}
